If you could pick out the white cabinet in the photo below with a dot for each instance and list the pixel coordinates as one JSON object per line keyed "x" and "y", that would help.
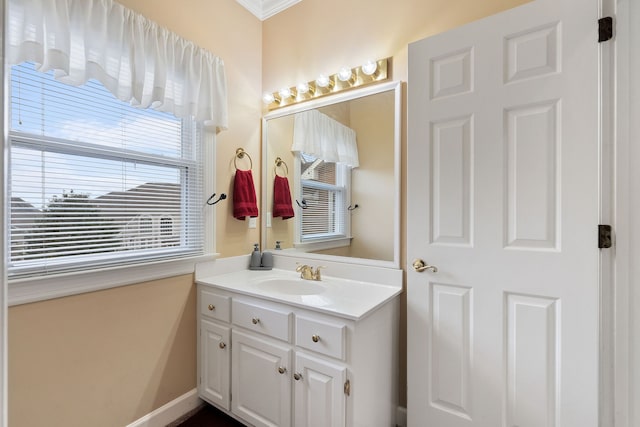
{"x": 287, "y": 365}
{"x": 214, "y": 367}
{"x": 321, "y": 390}
{"x": 261, "y": 384}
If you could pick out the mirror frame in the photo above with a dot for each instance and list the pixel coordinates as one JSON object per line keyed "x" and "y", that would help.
{"x": 395, "y": 86}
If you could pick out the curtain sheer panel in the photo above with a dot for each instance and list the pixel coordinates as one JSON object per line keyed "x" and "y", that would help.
{"x": 135, "y": 59}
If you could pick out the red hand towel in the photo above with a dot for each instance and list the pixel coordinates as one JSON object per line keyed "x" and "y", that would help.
{"x": 244, "y": 195}
{"x": 282, "y": 198}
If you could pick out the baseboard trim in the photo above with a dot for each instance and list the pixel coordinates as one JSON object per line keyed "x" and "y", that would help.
{"x": 171, "y": 411}
{"x": 401, "y": 417}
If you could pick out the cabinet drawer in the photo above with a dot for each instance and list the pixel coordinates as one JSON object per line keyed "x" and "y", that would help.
{"x": 322, "y": 337}
{"x": 272, "y": 322}
{"x": 214, "y": 306}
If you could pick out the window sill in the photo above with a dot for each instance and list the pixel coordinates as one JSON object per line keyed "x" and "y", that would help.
{"x": 323, "y": 244}
{"x": 24, "y": 291}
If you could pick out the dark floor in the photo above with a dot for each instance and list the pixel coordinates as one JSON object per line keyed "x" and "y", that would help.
{"x": 209, "y": 416}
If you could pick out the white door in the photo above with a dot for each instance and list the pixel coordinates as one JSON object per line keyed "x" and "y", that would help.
{"x": 215, "y": 361}
{"x": 261, "y": 380}
{"x": 503, "y": 200}
{"x": 319, "y": 393}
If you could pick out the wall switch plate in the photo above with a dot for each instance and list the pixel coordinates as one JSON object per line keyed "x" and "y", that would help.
{"x": 268, "y": 219}
{"x": 253, "y": 222}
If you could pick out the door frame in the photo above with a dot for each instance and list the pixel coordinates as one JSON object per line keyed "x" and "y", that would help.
{"x": 621, "y": 335}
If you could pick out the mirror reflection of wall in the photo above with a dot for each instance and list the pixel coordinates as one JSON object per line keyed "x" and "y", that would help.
{"x": 373, "y": 184}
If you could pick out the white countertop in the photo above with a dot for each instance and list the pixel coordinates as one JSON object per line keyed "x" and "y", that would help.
{"x": 351, "y": 299}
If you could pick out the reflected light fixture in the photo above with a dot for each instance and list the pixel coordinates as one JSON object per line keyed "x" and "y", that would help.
{"x": 346, "y": 78}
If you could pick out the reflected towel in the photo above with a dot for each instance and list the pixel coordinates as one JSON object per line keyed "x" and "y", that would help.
{"x": 282, "y": 198}
{"x": 244, "y": 195}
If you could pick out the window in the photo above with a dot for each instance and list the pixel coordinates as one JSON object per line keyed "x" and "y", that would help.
{"x": 96, "y": 182}
{"x": 325, "y": 187}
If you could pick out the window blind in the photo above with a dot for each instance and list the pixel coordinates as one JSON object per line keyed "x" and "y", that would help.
{"x": 95, "y": 181}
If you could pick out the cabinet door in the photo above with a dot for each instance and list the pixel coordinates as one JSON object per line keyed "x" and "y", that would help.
{"x": 214, "y": 363}
{"x": 261, "y": 380}
{"x": 319, "y": 392}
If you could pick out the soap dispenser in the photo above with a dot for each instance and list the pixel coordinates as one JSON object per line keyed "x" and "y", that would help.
{"x": 255, "y": 257}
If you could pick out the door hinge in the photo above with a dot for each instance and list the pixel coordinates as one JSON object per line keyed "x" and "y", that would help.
{"x": 604, "y": 236}
{"x": 347, "y": 388}
{"x": 605, "y": 29}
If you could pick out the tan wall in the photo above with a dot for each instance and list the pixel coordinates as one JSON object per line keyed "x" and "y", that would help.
{"x": 108, "y": 358}
{"x": 320, "y": 36}
{"x": 103, "y": 358}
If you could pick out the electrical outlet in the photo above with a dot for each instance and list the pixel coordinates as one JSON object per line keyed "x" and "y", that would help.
{"x": 253, "y": 222}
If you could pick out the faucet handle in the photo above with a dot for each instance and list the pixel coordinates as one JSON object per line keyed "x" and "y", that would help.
{"x": 317, "y": 275}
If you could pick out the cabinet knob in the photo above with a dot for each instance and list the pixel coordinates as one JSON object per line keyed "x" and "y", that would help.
{"x": 297, "y": 376}
{"x": 222, "y": 345}
{"x": 211, "y": 307}
{"x": 255, "y": 320}
{"x": 282, "y": 370}
{"x": 315, "y": 338}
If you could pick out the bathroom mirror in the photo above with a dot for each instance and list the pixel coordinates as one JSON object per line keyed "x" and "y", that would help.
{"x": 341, "y": 213}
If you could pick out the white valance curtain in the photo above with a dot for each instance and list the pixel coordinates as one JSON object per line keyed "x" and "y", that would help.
{"x": 325, "y": 138}
{"x": 134, "y": 58}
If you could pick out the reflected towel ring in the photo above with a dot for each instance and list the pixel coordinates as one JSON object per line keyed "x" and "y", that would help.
{"x": 279, "y": 163}
{"x": 212, "y": 202}
{"x": 240, "y": 153}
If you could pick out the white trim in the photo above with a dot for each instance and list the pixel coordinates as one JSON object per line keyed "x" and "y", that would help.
{"x": 322, "y": 244}
{"x": 627, "y": 61}
{"x": 607, "y": 281}
{"x": 264, "y": 9}
{"x": 401, "y": 416}
{"x": 44, "y": 288}
{"x": 4, "y": 238}
{"x": 171, "y": 411}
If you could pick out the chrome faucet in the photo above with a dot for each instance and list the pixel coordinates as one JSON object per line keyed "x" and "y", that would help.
{"x": 307, "y": 272}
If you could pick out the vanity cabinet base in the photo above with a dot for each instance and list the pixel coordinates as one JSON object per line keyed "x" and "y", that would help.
{"x": 274, "y": 364}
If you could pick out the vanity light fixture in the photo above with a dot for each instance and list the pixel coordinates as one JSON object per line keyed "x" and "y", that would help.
{"x": 345, "y": 73}
{"x": 285, "y": 93}
{"x": 346, "y": 78}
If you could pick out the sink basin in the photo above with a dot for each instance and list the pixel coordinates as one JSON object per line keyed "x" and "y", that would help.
{"x": 291, "y": 286}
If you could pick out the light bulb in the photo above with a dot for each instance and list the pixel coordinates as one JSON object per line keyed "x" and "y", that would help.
{"x": 369, "y": 68}
{"x": 322, "y": 80}
{"x": 268, "y": 98}
{"x": 303, "y": 88}
{"x": 284, "y": 93}
{"x": 344, "y": 74}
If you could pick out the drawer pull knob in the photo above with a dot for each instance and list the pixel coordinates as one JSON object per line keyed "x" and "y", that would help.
{"x": 297, "y": 376}
{"x": 211, "y": 307}
{"x": 222, "y": 345}
{"x": 315, "y": 338}
{"x": 282, "y": 370}
{"x": 255, "y": 320}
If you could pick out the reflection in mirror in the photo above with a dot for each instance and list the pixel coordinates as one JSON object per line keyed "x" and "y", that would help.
{"x": 335, "y": 154}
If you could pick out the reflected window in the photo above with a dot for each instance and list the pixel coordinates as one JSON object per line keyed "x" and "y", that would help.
{"x": 324, "y": 190}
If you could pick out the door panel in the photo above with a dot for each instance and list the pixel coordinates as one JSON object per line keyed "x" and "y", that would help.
{"x": 215, "y": 362}
{"x": 503, "y": 200}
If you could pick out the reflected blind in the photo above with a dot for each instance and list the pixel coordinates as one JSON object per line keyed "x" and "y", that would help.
{"x": 324, "y": 195}
{"x": 96, "y": 182}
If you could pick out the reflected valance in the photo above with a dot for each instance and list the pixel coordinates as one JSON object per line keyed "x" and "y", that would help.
{"x": 325, "y": 138}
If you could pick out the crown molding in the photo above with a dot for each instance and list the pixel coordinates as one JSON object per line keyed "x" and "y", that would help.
{"x": 264, "y": 9}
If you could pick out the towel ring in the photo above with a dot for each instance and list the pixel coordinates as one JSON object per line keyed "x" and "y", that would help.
{"x": 280, "y": 163}
{"x": 240, "y": 153}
